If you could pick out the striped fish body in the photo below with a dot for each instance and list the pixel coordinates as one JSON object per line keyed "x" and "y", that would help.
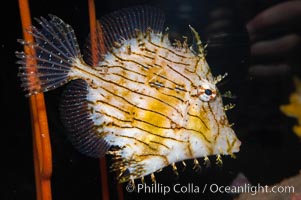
{"x": 148, "y": 103}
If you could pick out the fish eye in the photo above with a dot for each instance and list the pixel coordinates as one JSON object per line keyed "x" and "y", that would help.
{"x": 207, "y": 92}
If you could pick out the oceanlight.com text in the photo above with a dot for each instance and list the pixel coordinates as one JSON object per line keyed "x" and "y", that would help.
{"x": 247, "y": 188}
{"x": 192, "y": 188}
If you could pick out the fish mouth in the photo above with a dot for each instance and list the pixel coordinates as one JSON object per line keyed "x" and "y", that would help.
{"x": 227, "y": 142}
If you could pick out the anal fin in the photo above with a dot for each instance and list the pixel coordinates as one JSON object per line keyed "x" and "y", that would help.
{"x": 78, "y": 122}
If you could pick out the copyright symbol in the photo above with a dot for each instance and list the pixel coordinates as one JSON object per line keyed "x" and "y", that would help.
{"x": 130, "y": 187}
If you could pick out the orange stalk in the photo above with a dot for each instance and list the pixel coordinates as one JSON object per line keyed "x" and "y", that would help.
{"x": 97, "y": 49}
{"x": 93, "y": 31}
{"x": 41, "y": 141}
{"x": 94, "y": 49}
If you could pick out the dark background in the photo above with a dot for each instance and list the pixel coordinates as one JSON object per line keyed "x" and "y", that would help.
{"x": 270, "y": 151}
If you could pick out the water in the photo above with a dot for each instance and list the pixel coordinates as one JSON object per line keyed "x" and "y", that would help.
{"x": 269, "y": 152}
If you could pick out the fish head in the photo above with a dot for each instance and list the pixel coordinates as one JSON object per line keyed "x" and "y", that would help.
{"x": 206, "y": 115}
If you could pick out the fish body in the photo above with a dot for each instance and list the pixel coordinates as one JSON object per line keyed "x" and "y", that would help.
{"x": 146, "y": 101}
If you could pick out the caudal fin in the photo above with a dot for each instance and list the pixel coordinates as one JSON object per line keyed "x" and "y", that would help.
{"x": 56, "y": 49}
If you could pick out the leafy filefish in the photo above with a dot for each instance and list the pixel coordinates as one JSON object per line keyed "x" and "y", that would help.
{"x": 147, "y": 102}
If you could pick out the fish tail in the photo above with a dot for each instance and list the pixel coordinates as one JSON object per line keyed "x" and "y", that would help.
{"x": 55, "y": 51}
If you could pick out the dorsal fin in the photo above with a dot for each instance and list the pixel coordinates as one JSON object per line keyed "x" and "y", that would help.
{"x": 123, "y": 25}
{"x": 77, "y": 119}
{"x": 197, "y": 45}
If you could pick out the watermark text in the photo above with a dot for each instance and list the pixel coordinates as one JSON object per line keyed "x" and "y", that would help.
{"x": 192, "y": 188}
